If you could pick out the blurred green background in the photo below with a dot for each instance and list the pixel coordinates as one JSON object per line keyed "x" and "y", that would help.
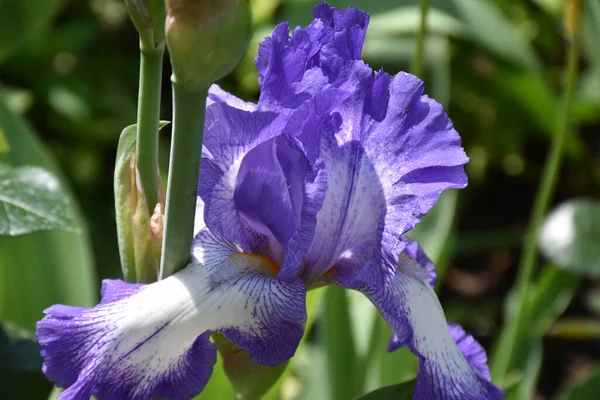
{"x": 68, "y": 86}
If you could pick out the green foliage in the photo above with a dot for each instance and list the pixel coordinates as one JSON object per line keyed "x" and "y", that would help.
{"x": 54, "y": 266}
{"x": 495, "y": 65}
{"x": 31, "y": 200}
{"x": 588, "y": 388}
{"x": 401, "y": 391}
{"x": 41, "y": 268}
{"x": 249, "y": 379}
{"x": 23, "y": 21}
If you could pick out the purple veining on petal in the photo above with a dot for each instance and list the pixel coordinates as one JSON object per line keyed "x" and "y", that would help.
{"x": 115, "y": 289}
{"x": 293, "y": 68}
{"x": 410, "y": 306}
{"x": 258, "y": 187}
{"x": 414, "y": 251}
{"x": 230, "y": 134}
{"x": 218, "y": 95}
{"x": 84, "y": 350}
{"x": 274, "y": 310}
{"x": 349, "y": 27}
{"x": 471, "y": 349}
{"x": 152, "y": 341}
{"x": 394, "y": 153}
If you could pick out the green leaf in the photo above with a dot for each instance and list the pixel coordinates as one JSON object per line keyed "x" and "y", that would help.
{"x": 249, "y": 379}
{"x": 45, "y": 267}
{"x": 554, "y": 291}
{"x": 20, "y": 364}
{"x": 491, "y": 29}
{"x": 32, "y": 199}
{"x": 406, "y": 20}
{"x": 402, "y": 391}
{"x": 588, "y": 388}
{"x": 569, "y": 236}
{"x": 218, "y": 386}
{"x": 552, "y": 294}
{"x": 24, "y": 20}
{"x": 313, "y": 300}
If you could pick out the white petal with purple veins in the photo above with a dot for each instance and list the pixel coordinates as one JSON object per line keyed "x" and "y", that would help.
{"x": 411, "y": 307}
{"x": 152, "y": 341}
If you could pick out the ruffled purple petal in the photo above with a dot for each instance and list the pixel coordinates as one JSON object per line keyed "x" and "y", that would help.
{"x": 395, "y": 152}
{"x": 293, "y": 68}
{"x": 152, "y": 341}
{"x": 258, "y": 187}
{"x": 349, "y": 29}
{"x": 265, "y": 316}
{"x": 410, "y": 306}
{"x": 230, "y": 134}
{"x": 471, "y": 349}
{"x": 127, "y": 347}
{"x": 415, "y": 251}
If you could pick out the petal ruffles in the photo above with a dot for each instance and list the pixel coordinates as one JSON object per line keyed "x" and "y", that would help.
{"x": 395, "y": 151}
{"x": 145, "y": 341}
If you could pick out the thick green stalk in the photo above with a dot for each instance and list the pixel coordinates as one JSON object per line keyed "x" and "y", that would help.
{"x": 151, "y": 62}
{"x": 516, "y": 323}
{"x": 417, "y": 62}
{"x": 182, "y": 187}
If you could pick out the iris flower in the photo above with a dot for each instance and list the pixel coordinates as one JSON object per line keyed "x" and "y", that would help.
{"x": 315, "y": 184}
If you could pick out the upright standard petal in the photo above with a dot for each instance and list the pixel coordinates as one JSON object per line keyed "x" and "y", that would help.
{"x": 149, "y": 341}
{"x": 293, "y": 68}
{"x": 258, "y": 187}
{"x": 411, "y": 307}
{"x": 393, "y": 154}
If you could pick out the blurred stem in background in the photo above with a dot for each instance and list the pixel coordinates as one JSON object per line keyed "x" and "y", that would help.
{"x": 417, "y": 62}
{"x": 517, "y": 319}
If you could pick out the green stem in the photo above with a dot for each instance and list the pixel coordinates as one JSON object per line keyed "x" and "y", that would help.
{"x": 516, "y": 322}
{"x": 151, "y": 62}
{"x": 417, "y": 62}
{"x": 182, "y": 187}
{"x": 341, "y": 356}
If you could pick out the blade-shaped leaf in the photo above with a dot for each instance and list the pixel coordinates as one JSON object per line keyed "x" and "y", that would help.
{"x": 22, "y": 21}
{"x": 32, "y": 199}
{"x": 586, "y": 389}
{"x": 489, "y": 27}
{"x": 402, "y": 391}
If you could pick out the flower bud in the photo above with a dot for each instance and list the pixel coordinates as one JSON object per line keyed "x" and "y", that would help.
{"x": 206, "y": 39}
{"x": 139, "y": 234}
{"x": 249, "y": 379}
{"x": 148, "y": 16}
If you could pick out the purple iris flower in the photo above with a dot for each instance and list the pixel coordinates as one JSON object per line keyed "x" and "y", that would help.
{"x": 313, "y": 185}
